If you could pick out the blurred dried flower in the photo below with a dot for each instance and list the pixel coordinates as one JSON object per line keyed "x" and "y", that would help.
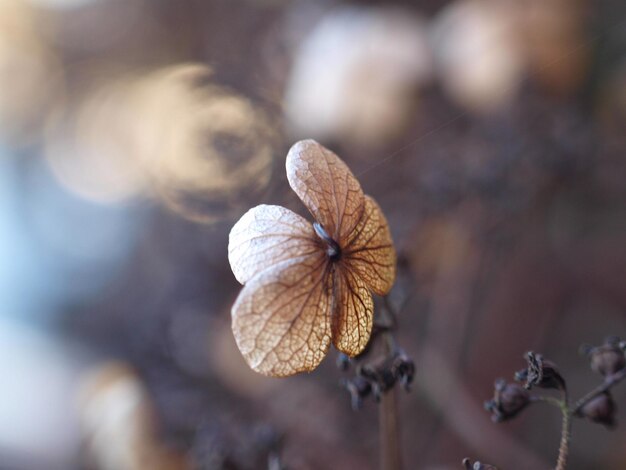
{"x": 91, "y": 144}
{"x": 119, "y": 423}
{"x": 540, "y": 373}
{"x": 509, "y": 399}
{"x": 477, "y": 465}
{"x": 30, "y": 69}
{"x": 306, "y": 285}
{"x": 556, "y": 42}
{"x": 607, "y": 359}
{"x": 478, "y": 53}
{"x": 600, "y": 409}
{"x": 206, "y": 150}
{"x": 202, "y": 150}
{"x": 356, "y": 75}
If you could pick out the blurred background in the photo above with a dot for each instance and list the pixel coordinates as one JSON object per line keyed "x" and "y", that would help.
{"x": 134, "y": 133}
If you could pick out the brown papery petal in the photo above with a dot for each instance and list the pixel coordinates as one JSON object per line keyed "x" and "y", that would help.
{"x": 281, "y": 319}
{"x": 370, "y": 251}
{"x": 353, "y": 312}
{"x": 326, "y": 186}
{"x": 265, "y": 236}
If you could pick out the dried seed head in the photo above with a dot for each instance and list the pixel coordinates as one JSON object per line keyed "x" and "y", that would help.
{"x": 600, "y": 409}
{"x": 607, "y": 359}
{"x": 508, "y": 400}
{"x": 379, "y": 374}
{"x": 540, "y": 373}
{"x": 384, "y": 372}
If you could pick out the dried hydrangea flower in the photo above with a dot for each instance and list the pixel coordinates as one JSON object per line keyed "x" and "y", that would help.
{"x": 305, "y": 284}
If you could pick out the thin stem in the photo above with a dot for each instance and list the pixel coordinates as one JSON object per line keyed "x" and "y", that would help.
{"x": 566, "y": 428}
{"x": 390, "y": 451}
{"x": 568, "y": 412}
{"x": 550, "y": 400}
{"x": 566, "y": 432}
{"x": 389, "y": 434}
{"x": 565, "y": 437}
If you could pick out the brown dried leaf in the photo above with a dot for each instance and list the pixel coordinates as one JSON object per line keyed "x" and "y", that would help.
{"x": 326, "y": 186}
{"x": 370, "y": 251}
{"x": 353, "y": 312}
{"x": 281, "y": 318}
{"x": 265, "y": 236}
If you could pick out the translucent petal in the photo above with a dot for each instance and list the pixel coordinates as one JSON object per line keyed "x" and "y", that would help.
{"x": 326, "y": 186}
{"x": 369, "y": 251}
{"x": 268, "y": 235}
{"x": 281, "y": 319}
{"x": 353, "y": 312}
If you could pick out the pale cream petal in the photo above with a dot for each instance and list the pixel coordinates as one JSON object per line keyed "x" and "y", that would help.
{"x": 265, "y": 236}
{"x": 326, "y": 186}
{"x": 281, "y": 319}
{"x": 353, "y": 312}
{"x": 370, "y": 252}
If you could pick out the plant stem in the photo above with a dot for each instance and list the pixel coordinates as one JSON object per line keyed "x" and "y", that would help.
{"x": 568, "y": 412}
{"x": 565, "y": 437}
{"x": 566, "y": 430}
{"x": 389, "y": 434}
{"x": 550, "y": 400}
{"x": 390, "y": 451}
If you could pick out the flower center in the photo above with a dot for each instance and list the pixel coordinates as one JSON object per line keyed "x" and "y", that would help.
{"x": 333, "y": 251}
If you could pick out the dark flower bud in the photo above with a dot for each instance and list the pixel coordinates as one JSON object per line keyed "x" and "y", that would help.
{"x": 600, "y": 409}
{"x": 379, "y": 375}
{"x": 359, "y": 388}
{"x": 540, "y": 373}
{"x": 467, "y": 463}
{"x": 403, "y": 368}
{"x": 607, "y": 359}
{"x": 383, "y": 373}
{"x": 508, "y": 400}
